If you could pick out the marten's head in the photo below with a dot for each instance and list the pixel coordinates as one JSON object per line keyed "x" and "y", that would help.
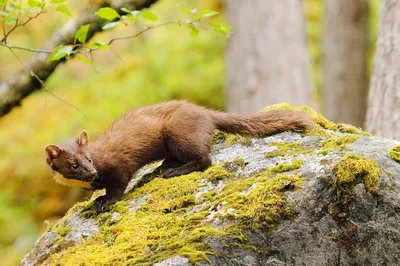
{"x": 71, "y": 162}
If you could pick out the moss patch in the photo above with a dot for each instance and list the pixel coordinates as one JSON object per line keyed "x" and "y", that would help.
{"x": 218, "y": 172}
{"x": 286, "y": 149}
{"x": 230, "y": 139}
{"x": 394, "y": 153}
{"x": 283, "y": 167}
{"x": 63, "y": 231}
{"x": 340, "y": 143}
{"x": 164, "y": 227}
{"x": 353, "y": 169}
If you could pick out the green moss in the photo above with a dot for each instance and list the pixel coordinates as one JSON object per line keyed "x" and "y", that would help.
{"x": 394, "y": 153}
{"x": 284, "y": 149}
{"x": 323, "y": 152}
{"x": 319, "y": 132}
{"x": 264, "y": 205}
{"x": 120, "y": 206}
{"x": 282, "y": 167}
{"x": 217, "y": 172}
{"x": 63, "y": 231}
{"x": 353, "y": 169}
{"x": 164, "y": 228}
{"x": 230, "y": 139}
{"x": 341, "y": 142}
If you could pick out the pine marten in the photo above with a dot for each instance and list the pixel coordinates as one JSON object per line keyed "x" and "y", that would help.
{"x": 174, "y": 131}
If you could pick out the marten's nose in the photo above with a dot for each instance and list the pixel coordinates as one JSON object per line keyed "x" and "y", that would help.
{"x": 93, "y": 173}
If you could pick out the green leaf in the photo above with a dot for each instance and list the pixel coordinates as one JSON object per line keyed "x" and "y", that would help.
{"x": 34, "y": 3}
{"x": 81, "y": 33}
{"x": 221, "y": 27}
{"x": 111, "y": 25}
{"x": 10, "y": 7}
{"x": 186, "y": 10}
{"x": 107, "y": 13}
{"x": 129, "y": 18}
{"x": 64, "y": 9}
{"x": 127, "y": 11}
{"x": 83, "y": 59}
{"x": 135, "y": 13}
{"x": 34, "y": 10}
{"x": 60, "y": 51}
{"x": 208, "y": 13}
{"x": 3, "y": 14}
{"x": 148, "y": 15}
{"x": 193, "y": 31}
{"x": 12, "y": 20}
{"x": 3, "y": 2}
{"x": 99, "y": 45}
{"x": 57, "y": 1}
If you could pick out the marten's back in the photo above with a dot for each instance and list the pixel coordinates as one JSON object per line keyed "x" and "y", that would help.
{"x": 144, "y": 128}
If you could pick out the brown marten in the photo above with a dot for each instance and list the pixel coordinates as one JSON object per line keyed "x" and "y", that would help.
{"x": 174, "y": 131}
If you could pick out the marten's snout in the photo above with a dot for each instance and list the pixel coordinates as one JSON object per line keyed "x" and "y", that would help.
{"x": 92, "y": 175}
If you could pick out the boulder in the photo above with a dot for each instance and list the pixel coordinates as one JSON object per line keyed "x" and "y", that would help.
{"x": 329, "y": 196}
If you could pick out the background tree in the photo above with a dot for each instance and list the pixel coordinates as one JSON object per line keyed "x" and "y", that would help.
{"x": 345, "y": 42}
{"x": 267, "y": 59}
{"x": 383, "y": 116}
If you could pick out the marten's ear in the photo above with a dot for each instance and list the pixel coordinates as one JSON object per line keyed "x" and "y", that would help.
{"x": 52, "y": 152}
{"x": 83, "y": 139}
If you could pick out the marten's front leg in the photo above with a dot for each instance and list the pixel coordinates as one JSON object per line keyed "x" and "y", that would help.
{"x": 115, "y": 185}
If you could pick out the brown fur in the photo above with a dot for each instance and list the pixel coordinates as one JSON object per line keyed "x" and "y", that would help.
{"x": 175, "y": 131}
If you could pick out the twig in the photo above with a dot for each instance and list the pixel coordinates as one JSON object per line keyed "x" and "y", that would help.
{"x": 141, "y": 32}
{"x": 118, "y": 55}
{"x": 3, "y": 22}
{"x": 93, "y": 63}
{"x": 4, "y": 40}
{"x": 34, "y": 50}
{"x": 43, "y": 85}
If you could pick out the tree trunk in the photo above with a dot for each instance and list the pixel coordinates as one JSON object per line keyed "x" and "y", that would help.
{"x": 383, "y": 116}
{"x": 345, "y": 44}
{"x": 267, "y": 58}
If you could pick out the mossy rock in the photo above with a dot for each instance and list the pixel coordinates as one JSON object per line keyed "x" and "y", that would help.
{"x": 253, "y": 206}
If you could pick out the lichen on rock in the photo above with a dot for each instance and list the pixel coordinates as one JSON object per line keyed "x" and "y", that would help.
{"x": 287, "y": 199}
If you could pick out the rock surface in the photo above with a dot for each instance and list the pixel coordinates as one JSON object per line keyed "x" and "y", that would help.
{"x": 279, "y": 200}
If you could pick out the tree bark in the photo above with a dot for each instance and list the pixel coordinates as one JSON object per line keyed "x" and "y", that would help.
{"x": 383, "y": 115}
{"x": 267, "y": 58}
{"x": 345, "y": 44}
{"x": 16, "y": 88}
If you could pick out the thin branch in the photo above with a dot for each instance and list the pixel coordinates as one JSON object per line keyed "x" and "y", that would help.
{"x": 19, "y": 25}
{"x": 141, "y": 32}
{"x": 118, "y": 55}
{"x": 92, "y": 60}
{"x": 43, "y": 85}
{"x": 33, "y": 50}
{"x": 3, "y": 22}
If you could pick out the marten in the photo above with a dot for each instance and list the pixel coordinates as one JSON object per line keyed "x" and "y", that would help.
{"x": 174, "y": 131}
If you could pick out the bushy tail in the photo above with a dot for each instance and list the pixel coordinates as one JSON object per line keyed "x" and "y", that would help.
{"x": 263, "y": 123}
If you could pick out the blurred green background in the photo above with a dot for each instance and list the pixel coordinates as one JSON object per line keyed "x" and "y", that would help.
{"x": 164, "y": 64}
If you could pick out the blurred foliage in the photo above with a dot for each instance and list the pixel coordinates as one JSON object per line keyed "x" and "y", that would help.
{"x": 163, "y": 64}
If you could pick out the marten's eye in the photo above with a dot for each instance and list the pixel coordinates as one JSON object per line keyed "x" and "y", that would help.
{"x": 90, "y": 160}
{"x": 75, "y": 166}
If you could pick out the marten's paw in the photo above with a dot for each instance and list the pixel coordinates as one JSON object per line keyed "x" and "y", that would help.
{"x": 101, "y": 204}
{"x": 171, "y": 172}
